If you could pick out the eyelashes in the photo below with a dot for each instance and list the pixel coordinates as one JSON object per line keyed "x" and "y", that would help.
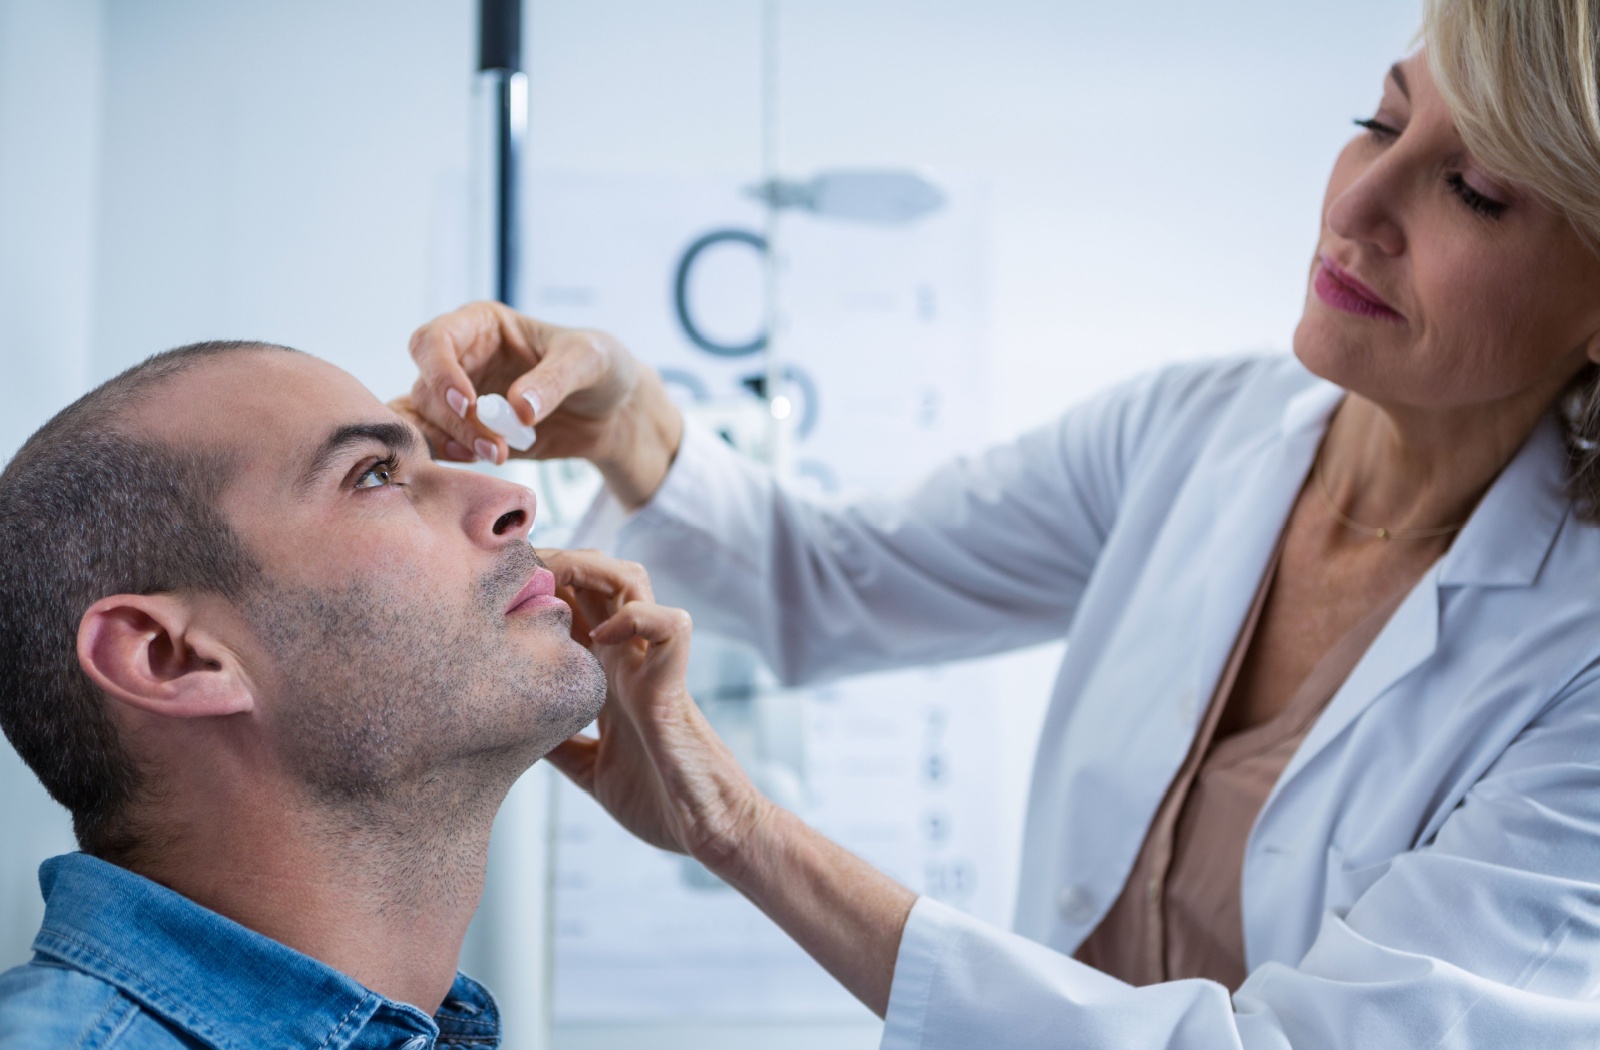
{"x": 1378, "y": 130}
{"x": 383, "y": 471}
{"x": 1488, "y": 207}
{"x": 1479, "y": 203}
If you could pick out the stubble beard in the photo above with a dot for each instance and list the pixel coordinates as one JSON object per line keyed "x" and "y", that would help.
{"x": 397, "y": 713}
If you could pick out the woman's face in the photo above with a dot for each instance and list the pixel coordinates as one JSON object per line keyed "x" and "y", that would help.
{"x": 1435, "y": 286}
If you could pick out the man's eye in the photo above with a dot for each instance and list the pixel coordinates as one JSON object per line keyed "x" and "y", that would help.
{"x": 376, "y": 476}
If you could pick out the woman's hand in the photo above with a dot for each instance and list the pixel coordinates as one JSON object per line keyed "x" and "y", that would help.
{"x": 583, "y": 392}
{"x": 657, "y": 766}
{"x": 665, "y": 776}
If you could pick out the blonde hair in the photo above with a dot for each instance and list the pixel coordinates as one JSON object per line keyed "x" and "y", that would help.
{"x": 1522, "y": 79}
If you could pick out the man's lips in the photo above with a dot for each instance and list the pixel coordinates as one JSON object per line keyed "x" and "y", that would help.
{"x": 538, "y": 593}
{"x": 1340, "y": 289}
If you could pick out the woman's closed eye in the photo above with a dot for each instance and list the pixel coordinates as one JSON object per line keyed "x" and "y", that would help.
{"x": 1478, "y": 201}
{"x": 1378, "y": 129}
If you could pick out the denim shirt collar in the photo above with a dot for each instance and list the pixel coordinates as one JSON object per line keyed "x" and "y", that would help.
{"x": 226, "y": 985}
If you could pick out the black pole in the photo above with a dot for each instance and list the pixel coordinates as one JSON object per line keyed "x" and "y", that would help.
{"x": 500, "y": 62}
{"x": 500, "y": 36}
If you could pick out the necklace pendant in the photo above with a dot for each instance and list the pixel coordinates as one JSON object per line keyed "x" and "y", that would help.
{"x": 1383, "y": 534}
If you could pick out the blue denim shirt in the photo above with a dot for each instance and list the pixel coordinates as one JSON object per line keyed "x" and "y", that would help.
{"x": 122, "y": 962}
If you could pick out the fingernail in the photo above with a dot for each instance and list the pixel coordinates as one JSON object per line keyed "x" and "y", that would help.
{"x": 486, "y": 450}
{"x": 456, "y": 450}
{"x": 457, "y": 401}
{"x": 533, "y": 400}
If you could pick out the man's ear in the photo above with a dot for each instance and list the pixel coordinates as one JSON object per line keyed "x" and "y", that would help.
{"x": 147, "y": 651}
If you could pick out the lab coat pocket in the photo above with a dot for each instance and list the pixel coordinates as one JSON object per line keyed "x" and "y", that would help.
{"x": 1346, "y": 882}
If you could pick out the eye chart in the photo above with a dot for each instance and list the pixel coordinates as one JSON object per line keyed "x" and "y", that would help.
{"x": 881, "y": 329}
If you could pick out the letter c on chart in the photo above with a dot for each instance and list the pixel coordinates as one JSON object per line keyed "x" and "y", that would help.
{"x": 680, "y": 292}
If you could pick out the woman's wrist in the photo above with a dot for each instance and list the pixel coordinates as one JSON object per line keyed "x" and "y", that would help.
{"x": 642, "y": 441}
{"x": 727, "y": 811}
{"x": 841, "y": 910}
{"x": 846, "y": 914}
{"x": 720, "y": 810}
{"x": 743, "y": 815}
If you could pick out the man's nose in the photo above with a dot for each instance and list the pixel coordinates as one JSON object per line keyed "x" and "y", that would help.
{"x": 500, "y": 512}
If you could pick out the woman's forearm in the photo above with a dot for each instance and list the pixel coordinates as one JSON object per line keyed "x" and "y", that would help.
{"x": 844, "y": 912}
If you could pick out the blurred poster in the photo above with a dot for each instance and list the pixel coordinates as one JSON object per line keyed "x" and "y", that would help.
{"x": 881, "y": 327}
{"x": 881, "y": 331}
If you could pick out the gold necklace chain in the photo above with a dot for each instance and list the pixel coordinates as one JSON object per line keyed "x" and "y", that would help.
{"x": 1373, "y": 530}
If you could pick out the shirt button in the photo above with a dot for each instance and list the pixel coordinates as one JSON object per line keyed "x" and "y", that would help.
{"x": 1076, "y": 904}
{"x": 1152, "y": 890}
{"x": 416, "y": 1042}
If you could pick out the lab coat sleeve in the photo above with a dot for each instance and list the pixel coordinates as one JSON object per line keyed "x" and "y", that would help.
{"x": 1488, "y": 936}
{"x": 988, "y": 553}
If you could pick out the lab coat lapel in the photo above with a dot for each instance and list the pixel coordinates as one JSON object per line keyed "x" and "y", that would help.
{"x": 1504, "y": 545}
{"x": 1256, "y": 490}
{"x": 1409, "y": 638}
{"x": 1108, "y": 755}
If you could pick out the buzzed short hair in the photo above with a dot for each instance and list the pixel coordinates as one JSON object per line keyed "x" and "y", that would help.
{"x": 90, "y": 508}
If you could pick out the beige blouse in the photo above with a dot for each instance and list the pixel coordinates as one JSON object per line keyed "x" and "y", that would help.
{"x": 1180, "y": 913}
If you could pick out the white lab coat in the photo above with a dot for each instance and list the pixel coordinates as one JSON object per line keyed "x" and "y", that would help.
{"x": 1426, "y": 872}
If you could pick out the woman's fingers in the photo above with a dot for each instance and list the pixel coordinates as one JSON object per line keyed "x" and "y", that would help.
{"x": 443, "y": 445}
{"x": 598, "y": 586}
{"x": 581, "y": 624}
{"x": 596, "y": 608}
{"x": 476, "y": 349}
{"x": 488, "y": 348}
{"x": 645, "y": 620}
{"x": 586, "y": 570}
{"x": 573, "y": 365}
{"x": 444, "y": 393}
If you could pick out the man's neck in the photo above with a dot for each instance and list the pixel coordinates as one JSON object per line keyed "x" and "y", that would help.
{"x": 383, "y": 897}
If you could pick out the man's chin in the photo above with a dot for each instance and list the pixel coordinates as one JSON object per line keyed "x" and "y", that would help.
{"x": 582, "y": 691}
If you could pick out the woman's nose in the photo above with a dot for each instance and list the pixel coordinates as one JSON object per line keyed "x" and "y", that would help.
{"x": 1367, "y": 211}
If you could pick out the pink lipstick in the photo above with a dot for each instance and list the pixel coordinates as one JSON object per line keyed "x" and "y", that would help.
{"x": 1341, "y": 290}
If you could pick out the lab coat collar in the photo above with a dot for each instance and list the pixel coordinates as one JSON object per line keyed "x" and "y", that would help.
{"x": 1310, "y": 410}
{"x": 1509, "y": 536}
{"x": 1506, "y": 542}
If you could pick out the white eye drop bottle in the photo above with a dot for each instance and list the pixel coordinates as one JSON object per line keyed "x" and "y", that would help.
{"x": 496, "y": 413}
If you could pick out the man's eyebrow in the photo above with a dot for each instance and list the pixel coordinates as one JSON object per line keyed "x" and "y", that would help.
{"x": 397, "y": 437}
{"x": 1399, "y": 76}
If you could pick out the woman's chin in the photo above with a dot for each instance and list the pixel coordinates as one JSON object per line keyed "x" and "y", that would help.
{"x": 1352, "y": 352}
{"x": 1323, "y": 352}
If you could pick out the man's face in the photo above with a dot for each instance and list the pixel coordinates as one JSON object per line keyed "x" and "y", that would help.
{"x": 400, "y": 629}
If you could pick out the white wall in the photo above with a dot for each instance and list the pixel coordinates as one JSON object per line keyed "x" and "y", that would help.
{"x": 1157, "y": 166}
{"x": 296, "y": 170}
{"x": 50, "y": 61}
{"x": 286, "y": 171}
{"x": 50, "y": 68}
